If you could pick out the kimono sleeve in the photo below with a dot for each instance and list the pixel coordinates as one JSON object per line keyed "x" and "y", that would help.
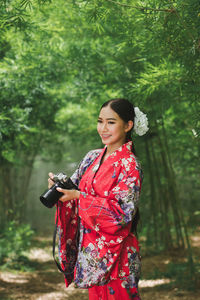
{"x": 67, "y": 230}
{"x": 67, "y": 210}
{"x": 111, "y": 213}
{"x": 68, "y": 223}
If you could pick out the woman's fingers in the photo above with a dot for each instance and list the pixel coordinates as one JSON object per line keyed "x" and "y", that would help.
{"x": 68, "y": 194}
{"x": 50, "y": 180}
{"x": 51, "y": 175}
{"x": 64, "y": 198}
{"x": 64, "y": 191}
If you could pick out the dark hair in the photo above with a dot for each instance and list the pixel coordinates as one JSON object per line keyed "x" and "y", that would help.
{"x": 125, "y": 109}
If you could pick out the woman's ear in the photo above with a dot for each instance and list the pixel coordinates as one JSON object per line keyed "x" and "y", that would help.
{"x": 129, "y": 126}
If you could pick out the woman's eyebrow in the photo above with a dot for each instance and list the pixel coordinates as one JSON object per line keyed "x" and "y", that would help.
{"x": 107, "y": 118}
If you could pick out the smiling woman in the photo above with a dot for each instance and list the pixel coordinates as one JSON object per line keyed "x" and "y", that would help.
{"x": 112, "y": 129}
{"x": 104, "y": 212}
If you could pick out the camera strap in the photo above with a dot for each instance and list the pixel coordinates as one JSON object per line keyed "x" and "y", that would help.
{"x": 54, "y": 241}
{"x": 54, "y": 245}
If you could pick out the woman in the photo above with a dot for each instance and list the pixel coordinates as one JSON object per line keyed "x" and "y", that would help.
{"x": 104, "y": 210}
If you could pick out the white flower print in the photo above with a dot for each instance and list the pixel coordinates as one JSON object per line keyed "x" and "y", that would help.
{"x": 91, "y": 246}
{"x": 124, "y": 283}
{"x": 120, "y": 239}
{"x": 121, "y": 274}
{"x": 96, "y": 227}
{"x": 125, "y": 162}
{"x": 129, "y": 146}
{"x": 117, "y": 188}
{"x": 116, "y": 163}
{"x": 69, "y": 204}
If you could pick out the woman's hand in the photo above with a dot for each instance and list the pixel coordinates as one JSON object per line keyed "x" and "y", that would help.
{"x": 68, "y": 194}
{"x": 50, "y": 180}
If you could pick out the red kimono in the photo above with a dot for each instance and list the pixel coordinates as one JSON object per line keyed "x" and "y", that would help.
{"x": 106, "y": 250}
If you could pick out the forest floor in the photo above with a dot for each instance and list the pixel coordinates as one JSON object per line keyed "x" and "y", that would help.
{"x": 44, "y": 282}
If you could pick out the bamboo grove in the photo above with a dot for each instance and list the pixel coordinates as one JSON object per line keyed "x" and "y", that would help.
{"x": 62, "y": 59}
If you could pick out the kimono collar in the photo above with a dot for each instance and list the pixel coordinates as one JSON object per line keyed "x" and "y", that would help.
{"x": 117, "y": 154}
{"x": 127, "y": 147}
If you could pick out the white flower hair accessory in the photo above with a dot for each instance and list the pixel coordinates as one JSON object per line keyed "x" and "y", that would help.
{"x": 140, "y": 122}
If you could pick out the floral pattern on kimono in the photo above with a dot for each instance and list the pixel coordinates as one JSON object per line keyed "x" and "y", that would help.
{"x": 106, "y": 207}
{"x": 68, "y": 223}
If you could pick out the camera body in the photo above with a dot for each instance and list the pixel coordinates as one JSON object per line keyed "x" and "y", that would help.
{"x": 51, "y": 196}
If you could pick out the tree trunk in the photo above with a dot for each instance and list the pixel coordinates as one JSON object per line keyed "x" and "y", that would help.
{"x": 190, "y": 254}
{"x": 13, "y": 195}
{"x": 21, "y": 177}
{"x": 171, "y": 195}
{"x": 164, "y": 226}
{"x": 7, "y": 201}
{"x": 154, "y": 212}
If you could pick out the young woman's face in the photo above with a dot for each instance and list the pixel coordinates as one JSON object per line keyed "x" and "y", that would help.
{"x": 111, "y": 128}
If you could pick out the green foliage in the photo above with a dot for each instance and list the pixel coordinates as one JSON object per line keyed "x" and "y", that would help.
{"x": 15, "y": 239}
{"x": 68, "y": 59}
{"x": 15, "y": 13}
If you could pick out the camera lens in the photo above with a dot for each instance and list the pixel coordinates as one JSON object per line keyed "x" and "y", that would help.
{"x": 51, "y": 196}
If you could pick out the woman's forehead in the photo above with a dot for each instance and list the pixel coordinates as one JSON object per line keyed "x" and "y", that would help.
{"x": 107, "y": 112}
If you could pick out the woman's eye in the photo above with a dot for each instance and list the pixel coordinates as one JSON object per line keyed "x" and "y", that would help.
{"x": 110, "y": 122}
{"x": 99, "y": 121}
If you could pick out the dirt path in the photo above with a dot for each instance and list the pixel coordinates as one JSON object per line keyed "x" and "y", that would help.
{"x": 46, "y": 283}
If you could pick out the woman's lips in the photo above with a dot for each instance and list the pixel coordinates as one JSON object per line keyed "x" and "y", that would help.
{"x": 105, "y": 136}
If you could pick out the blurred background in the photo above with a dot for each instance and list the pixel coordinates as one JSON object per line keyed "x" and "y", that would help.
{"x": 59, "y": 61}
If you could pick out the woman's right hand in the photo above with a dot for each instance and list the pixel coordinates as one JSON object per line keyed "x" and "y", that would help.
{"x": 50, "y": 180}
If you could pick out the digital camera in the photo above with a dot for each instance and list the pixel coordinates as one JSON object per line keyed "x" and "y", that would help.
{"x": 51, "y": 196}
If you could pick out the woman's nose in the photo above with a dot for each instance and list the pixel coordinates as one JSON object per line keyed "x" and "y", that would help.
{"x": 104, "y": 127}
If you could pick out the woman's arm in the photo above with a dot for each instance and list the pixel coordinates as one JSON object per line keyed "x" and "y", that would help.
{"x": 84, "y": 164}
{"x": 76, "y": 177}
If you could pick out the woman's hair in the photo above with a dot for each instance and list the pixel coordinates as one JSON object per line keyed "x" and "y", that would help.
{"x": 126, "y": 112}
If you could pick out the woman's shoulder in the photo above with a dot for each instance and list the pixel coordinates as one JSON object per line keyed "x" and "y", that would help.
{"x": 92, "y": 155}
{"x": 130, "y": 162}
{"x": 137, "y": 166}
{"x": 88, "y": 159}
{"x": 136, "y": 161}
{"x": 94, "y": 152}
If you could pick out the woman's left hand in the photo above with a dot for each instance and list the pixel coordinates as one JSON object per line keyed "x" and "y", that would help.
{"x": 68, "y": 194}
